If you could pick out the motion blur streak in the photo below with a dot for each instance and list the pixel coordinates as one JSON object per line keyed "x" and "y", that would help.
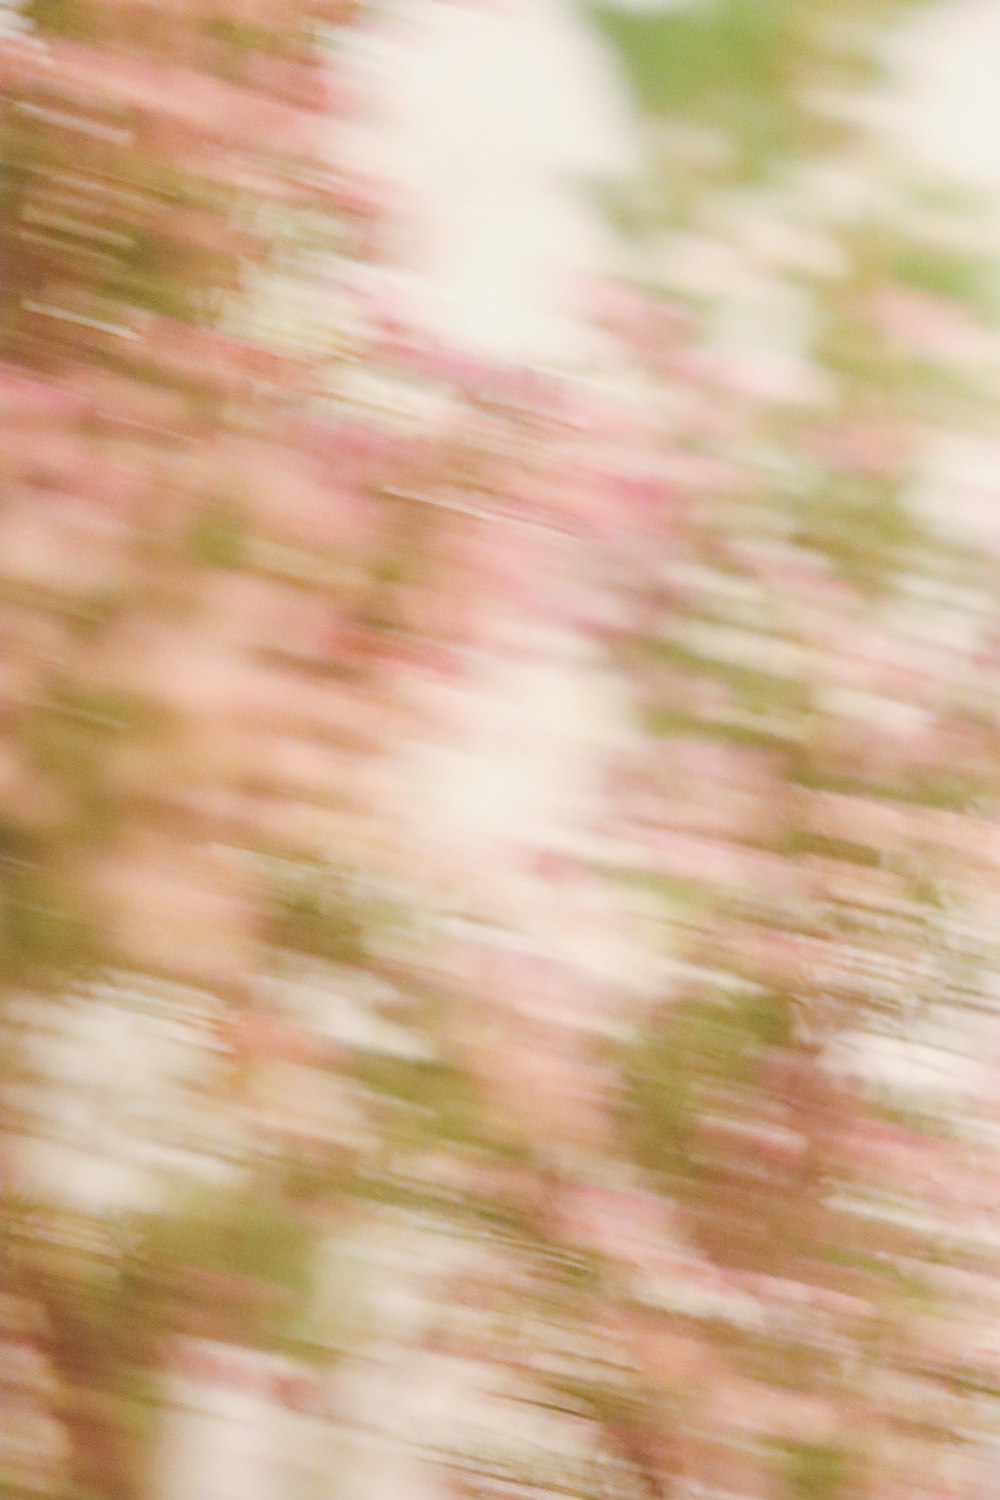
{"x": 499, "y": 857}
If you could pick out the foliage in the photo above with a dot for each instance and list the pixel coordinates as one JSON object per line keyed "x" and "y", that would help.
{"x": 232, "y": 606}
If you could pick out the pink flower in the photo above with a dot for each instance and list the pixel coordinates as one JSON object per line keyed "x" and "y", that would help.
{"x": 561, "y": 1099}
{"x": 191, "y": 100}
{"x": 744, "y": 1405}
{"x": 57, "y": 546}
{"x": 24, "y": 398}
{"x": 166, "y": 909}
{"x": 638, "y": 1228}
{"x": 762, "y": 377}
{"x": 254, "y": 1036}
{"x": 687, "y": 857}
{"x": 305, "y": 85}
{"x": 867, "y": 450}
{"x": 930, "y": 325}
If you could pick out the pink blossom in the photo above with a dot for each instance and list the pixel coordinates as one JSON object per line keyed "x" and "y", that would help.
{"x": 743, "y": 1405}
{"x": 174, "y": 914}
{"x": 864, "y": 449}
{"x": 22, "y": 397}
{"x": 556, "y": 1097}
{"x": 258, "y": 1036}
{"x": 192, "y": 100}
{"x": 635, "y": 1227}
{"x": 57, "y": 547}
{"x": 936, "y": 326}
{"x": 687, "y": 857}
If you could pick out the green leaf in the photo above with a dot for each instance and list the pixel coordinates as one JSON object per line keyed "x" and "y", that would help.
{"x": 815, "y": 1472}
{"x": 311, "y": 914}
{"x": 218, "y": 538}
{"x": 438, "y": 1090}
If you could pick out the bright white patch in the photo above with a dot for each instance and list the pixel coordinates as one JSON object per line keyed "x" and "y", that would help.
{"x": 957, "y": 489}
{"x": 915, "y": 1066}
{"x": 494, "y": 119}
{"x": 946, "y": 107}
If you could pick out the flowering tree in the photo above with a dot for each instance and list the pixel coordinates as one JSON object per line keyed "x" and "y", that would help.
{"x": 703, "y": 1252}
{"x": 184, "y": 553}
